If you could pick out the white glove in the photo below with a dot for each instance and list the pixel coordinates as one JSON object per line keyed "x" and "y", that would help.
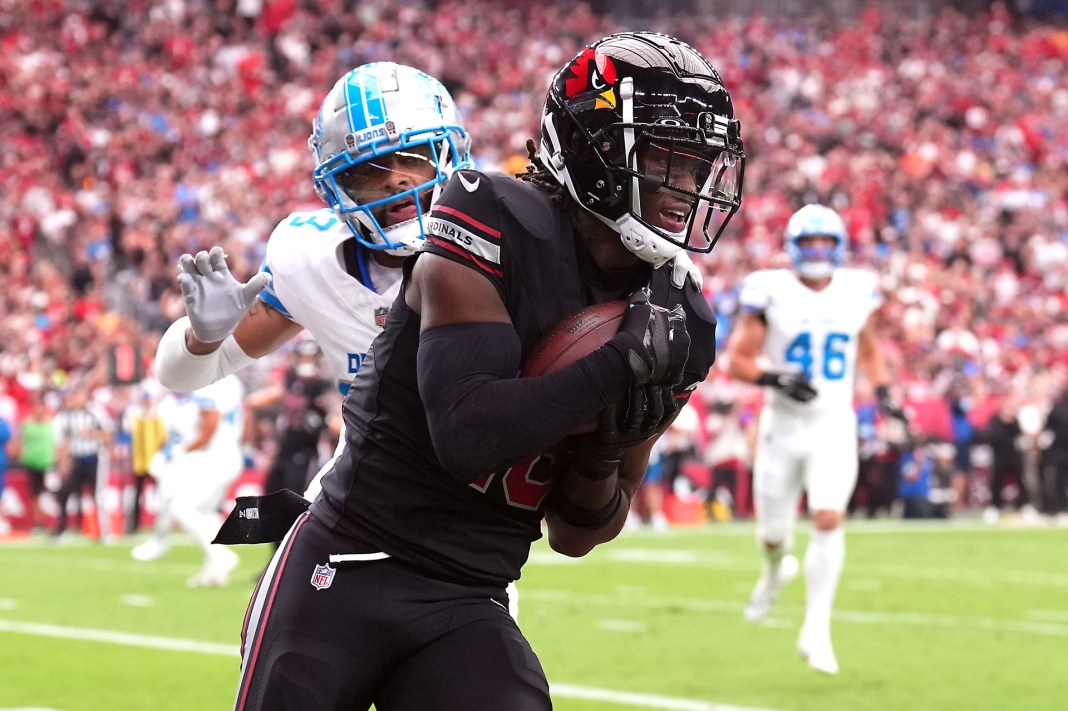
{"x": 214, "y": 300}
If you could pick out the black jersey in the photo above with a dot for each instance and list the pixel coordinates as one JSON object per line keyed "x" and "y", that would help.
{"x": 387, "y": 488}
{"x": 302, "y": 419}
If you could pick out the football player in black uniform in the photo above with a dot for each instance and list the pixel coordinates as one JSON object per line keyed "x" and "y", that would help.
{"x": 391, "y": 589}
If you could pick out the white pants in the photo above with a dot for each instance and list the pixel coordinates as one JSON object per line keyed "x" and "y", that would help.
{"x": 192, "y": 488}
{"x": 811, "y": 452}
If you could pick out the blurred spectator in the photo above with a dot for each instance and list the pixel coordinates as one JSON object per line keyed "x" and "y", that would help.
{"x": 81, "y": 435}
{"x": 5, "y": 443}
{"x": 879, "y": 453}
{"x": 148, "y": 435}
{"x": 1055, "y": 457}
{"x": 307, "y": 399}
{"x": 963, "y": 433}
{"x": 648, "y": 504}
{"x": 37, "y": 453}
{"x": 925, "y": 484}
{"x": 1005, "y": 439}
{"x": 728, "y": 456}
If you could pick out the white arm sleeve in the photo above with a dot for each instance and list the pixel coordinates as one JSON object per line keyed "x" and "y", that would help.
{"x": 178, "y": 369}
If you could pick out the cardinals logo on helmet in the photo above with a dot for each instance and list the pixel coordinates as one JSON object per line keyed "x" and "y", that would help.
{"x": 593, "y": 71}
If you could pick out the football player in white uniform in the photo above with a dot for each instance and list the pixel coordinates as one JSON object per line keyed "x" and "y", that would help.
{"x": 195, "y": 469}
{"x": 385, "y": 140}
{"x": 802, "y": 334}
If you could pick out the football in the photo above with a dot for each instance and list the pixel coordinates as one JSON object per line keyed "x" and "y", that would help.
{"x": 578, "y": 335}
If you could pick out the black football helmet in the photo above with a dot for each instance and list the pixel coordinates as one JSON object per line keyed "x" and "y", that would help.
{"x": 640, "y": 114}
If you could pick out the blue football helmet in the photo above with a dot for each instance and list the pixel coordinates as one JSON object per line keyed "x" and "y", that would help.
{"x": 386, "y": 139}
{"x": 810, "y": 261}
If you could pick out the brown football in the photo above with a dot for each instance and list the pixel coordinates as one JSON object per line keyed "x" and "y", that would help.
{"x": 576, "y": 336}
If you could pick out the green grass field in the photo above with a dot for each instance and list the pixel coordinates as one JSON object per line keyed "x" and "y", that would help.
{"x": 951, "y": 616}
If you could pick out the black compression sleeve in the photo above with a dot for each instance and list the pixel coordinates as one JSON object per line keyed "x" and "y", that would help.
{"x": 483, "y": 418}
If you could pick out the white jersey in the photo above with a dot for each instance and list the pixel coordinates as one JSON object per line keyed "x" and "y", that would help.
{"x": 180, "y": 413}
{"x": 811, "y": 331}
{"x": 311, "y": 286}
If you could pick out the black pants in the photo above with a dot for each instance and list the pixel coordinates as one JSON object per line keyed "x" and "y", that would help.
{"x": 353, "y": 634}
{"x": 290, "y": 470}
{"x": 82, "y": 475}
{"x": 1054, "y": 470}
{"x": 1000, "y": 476}
{"x": 133, "y": 523}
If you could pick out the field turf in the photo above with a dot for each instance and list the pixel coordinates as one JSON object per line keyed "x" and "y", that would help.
{"x": 930, "y": 616}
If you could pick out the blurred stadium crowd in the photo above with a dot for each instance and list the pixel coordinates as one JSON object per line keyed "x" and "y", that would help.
{"x": 134, "y": 131}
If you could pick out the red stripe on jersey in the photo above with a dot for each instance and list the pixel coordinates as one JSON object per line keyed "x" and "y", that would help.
{"x": 481, "y": 264}
{"x": 468, "y": 219}
{"x": 249, "y": 669}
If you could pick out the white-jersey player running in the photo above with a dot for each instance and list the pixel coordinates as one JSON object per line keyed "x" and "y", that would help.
{"x": 803, "y": 333}
{"x": 195, "y": 470}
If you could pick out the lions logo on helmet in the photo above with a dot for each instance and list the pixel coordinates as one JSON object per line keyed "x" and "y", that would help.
{"x": 376, "y": 118}
{"x": 815, "y": 261}
{"x": 640, "y": 114}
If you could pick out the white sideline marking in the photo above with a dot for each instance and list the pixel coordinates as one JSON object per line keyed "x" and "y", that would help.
{"x": 137, "y": 600}
{"x": 7, "y": 603}
{"x": 129, "y": 639}
{"x": 916, "y": 619}
{"x": 171, "y": 644}
{"x": 645, "y": 701}
{"x": 620, "y": 625}
{"x": 1049, "y": 615}
{"x": 720, "y": 561}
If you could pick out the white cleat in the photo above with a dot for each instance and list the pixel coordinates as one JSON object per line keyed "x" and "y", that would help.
{"x": 216, "y": 573}
{"x": 763, "y": 597}
{"x": 152, "y": 549}
{"x": 1029, "y": 515}
{"x": 991, "y": 515}
{"x": 818, "y": 652}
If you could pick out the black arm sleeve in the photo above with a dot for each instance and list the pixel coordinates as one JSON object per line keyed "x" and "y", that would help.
{"x": 482, "y": 418}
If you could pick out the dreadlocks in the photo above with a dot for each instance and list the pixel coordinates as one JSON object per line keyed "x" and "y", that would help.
{"x": 537, "y": 174}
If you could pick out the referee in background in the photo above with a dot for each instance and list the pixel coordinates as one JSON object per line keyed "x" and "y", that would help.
{"x": 81, "y": 435}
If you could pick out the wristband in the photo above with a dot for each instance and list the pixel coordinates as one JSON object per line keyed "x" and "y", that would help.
{"x": 596, "y": 468}
{"x": 587, "y": 519}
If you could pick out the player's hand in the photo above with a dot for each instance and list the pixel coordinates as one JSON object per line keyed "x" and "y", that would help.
{"x": 793, "y": 385}
{"x": 653, "y": 340}
{"x": 889, "y": 406}
{"x": 214, "y": 301}
{"x": 646, "y": 412}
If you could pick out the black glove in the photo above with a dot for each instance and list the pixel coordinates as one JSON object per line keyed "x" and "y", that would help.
{"x": 648, "y": 410}
{"x": 794, "y": 385}
{"x": 889, "y": 407}
{"x": 653, "y": 340}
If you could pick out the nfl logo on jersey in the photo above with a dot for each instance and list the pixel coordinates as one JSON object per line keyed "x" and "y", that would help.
{"x": 322, "y": 577}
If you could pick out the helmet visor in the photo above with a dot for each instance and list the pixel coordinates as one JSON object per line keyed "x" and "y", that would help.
{"x": 687, "y": 190}
{"x": 380, "y": 176}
